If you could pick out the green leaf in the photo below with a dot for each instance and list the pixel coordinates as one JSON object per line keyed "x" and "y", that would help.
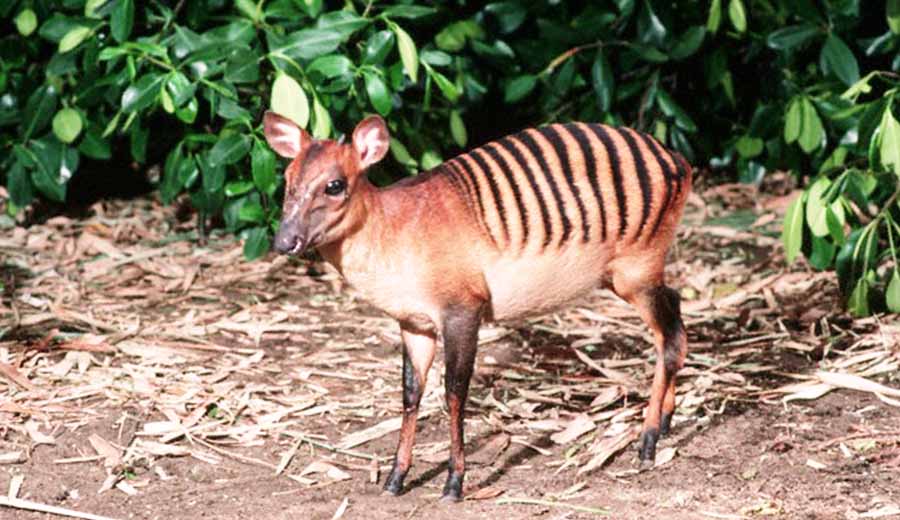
{"x": 26, "y": 22}
{"x": 792, "y": 36}
{"x": 250, "y": 9}
{"x": 793, "y": 121}
{"x": 509, "y": 14}
{"x": 816, "y": 207}
{"x": 343, "y": 22}
{"x": 890, "y": 142}
{"x": 67, "y": 125}
{"x": 858, "y": 303}
{"x": 737, "y": 15}
{"x": 289, "y": 100}
{"x": 674, "y": 110}
{"x": 332, "y": 66}
{"x": 409, "y": 11}
{"x": 378, "y": 46}
{"x": 603, "y": 81}
{"x": 94, "y": 145}
{"x": 892, "y": 295}
{"x": 430, "y": 159}
{"x": 378, "y": 93}
{"x": 256, "y": 243}
{"x": 714, "y": 19}
{"x": 180, "y": 88}
{"x": 262, "y": 168}
{"x": 122, "y": 20}
{"x": 188, "y": 113}
{"x": 235, "y": 188}
{"x": 458, "y": 129}
{"x": 453, "y": 37}
{"x": 408, "y": 53}
{"x": 401, "y": 154}
{"x": 54, "y": 166}
{"x": 229, "y": 149}
{"x": 38, "y": 110}
{"x": 165, "y": 99}
{"x": 840, "y": 60}
{"x": 19, "y": 185}
{"x": 688, "y": 43}
{"x": 811, "y": 131}
{"x": 305, "y": 44}
{"x": 892, "y": 12}
{"x": 822, "y": 253}
{"x": 448, "y": 89}
{"x": 519, "y": 87}
{"x": 834, "y": 220}
{"x": 142, "y": 93}
{"x": 243, "y": 67}
{"x": 321, "y": 120}
{"x": 251, "y": 211}
{"x": 792, "y": 229}
{"x": 748, "y": 146}
{"x": 73, "y": 38}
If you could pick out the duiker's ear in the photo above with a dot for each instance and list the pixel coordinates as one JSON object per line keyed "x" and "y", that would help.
{"x": 283, "y": 135}
{"x": 371, "y": 140}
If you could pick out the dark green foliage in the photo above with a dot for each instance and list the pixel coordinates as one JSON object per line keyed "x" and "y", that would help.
{"x": 742, "y": 87}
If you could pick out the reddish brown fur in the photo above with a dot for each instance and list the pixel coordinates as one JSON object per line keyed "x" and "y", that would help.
{"x": 426, "y": 253}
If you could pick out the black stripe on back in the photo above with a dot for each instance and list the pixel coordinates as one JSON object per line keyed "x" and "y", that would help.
{"x": 562, "y": 152}
{"x": 495, "y": 190}
{"x": 667, "y": 173}
{"x": 467, "y": 168}
{"x": 643, "y": 177}
{"x": 682, "y": 173}
{"x": 535, "y": 149}
{"x": 590, "y": 165}
{"x": 457, "y": 177}
{"x": 491, "y": 150}
{"x": 507, "y": 144}
{"x": 615, "y": 165}
{"x": 466, "y": 173}
{"x": 457, "y": 183}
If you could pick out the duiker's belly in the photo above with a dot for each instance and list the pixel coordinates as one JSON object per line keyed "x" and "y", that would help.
{"x": 541, "y": 283}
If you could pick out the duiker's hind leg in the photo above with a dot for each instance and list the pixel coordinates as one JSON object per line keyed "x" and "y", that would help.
{"x": 660, "y": 308}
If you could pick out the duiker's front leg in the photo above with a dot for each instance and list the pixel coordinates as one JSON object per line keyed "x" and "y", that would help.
{"x": 418, "y": 353}
{"x": 460, "y": 330}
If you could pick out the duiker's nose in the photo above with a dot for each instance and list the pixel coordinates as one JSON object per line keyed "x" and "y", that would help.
{"x": 287, "y": 238}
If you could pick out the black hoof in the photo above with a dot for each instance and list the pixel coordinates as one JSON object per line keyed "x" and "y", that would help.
{"x": 665, "y": 424}
{"x": 647, "y": 446}
{"x": 394, "y": 483}
{"x": 452, "y": 488}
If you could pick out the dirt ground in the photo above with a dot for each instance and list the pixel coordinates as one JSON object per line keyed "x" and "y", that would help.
{"x": 143, "y": 375}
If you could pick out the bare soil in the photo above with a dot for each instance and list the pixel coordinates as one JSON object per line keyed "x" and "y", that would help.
{"x": 131, "y": 344}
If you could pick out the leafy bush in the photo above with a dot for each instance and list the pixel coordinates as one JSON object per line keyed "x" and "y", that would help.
{"x": 741, "y": 87}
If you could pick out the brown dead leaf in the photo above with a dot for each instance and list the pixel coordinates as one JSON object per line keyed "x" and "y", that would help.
{"x": 606, "y": 447}
{"x": 489, "y": 452}
{"x": 486, "y": 493}
{"x": 112, "y": 456}
{"x": 331, "y": 471}
{"x": 577, "y": 427}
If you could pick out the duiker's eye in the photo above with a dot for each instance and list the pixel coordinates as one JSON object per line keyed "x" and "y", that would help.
{"x": 336, "y": 187}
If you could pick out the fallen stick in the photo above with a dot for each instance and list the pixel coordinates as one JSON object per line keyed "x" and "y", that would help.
{"x": 28, "y": 505}
{"x": 549, "y": 503}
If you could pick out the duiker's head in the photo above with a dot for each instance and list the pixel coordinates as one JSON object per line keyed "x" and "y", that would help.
{"x": 321, "y": 180}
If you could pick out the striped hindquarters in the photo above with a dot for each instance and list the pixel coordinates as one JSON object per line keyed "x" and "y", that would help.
{"x": 576, "y": 182}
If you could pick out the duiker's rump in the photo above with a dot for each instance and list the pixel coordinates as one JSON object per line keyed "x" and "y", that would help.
{"x": 518, "y": 226}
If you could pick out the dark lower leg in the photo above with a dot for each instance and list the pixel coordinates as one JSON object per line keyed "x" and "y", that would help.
{"x": 418, "y": 352}
{"x": 661, "y": 308}
{"x": 460, "y": 343}
{"x": 668, "y": 409}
